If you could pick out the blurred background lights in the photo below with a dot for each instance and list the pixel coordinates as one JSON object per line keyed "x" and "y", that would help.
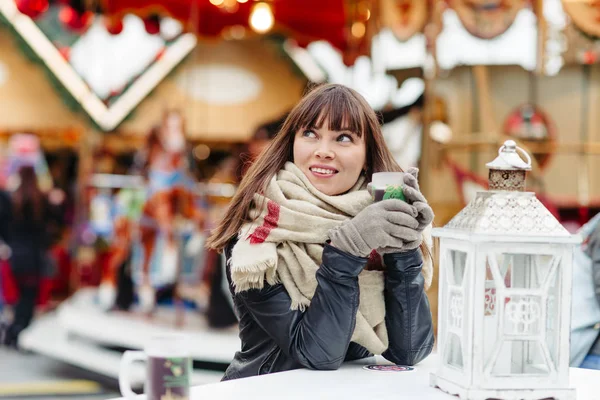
{"x": 440, "y": 132}
{"x": 237, "y": 32}
{"x": 261, "y": 18}
{"x": 201, "y": 152}
{"x": 358, "y": 29}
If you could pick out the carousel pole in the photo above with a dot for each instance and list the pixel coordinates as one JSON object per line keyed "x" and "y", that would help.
{"x": 85, "y": 153}
{"x": 583, "y": 181}
{"x": 542, "y": 30}
{"x": 487, "y": 122}
{"x": 178, "y": 295}
{"x": 427, "y": 163}
{"x": 430, "y": 71}
{"x": 535, "y": 176}
{"x": 485, "y": 110}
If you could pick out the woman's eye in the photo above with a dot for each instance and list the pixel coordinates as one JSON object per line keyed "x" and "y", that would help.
{"x": 344, "y": 138}
{"x": 309, "y": 134}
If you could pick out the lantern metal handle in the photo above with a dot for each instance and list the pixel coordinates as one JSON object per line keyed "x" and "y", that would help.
{"x": 517, "y": 148}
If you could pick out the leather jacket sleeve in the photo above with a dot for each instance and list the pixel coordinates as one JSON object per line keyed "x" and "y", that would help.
{"x": 408, "y": 317}
{"x": 318, "y": 337}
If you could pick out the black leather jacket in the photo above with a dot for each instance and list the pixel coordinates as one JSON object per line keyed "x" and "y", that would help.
{"x": 276, "y": 338}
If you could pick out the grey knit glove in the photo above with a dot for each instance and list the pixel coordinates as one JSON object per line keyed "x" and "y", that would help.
{"x": 424, "y": 212}
{"x": 414, "y": 197}
{"x": 387, "y": 224}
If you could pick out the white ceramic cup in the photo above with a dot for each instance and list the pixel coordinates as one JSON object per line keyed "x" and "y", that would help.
{"x": 386, "y": 185}
{"x": 168, "y": 370}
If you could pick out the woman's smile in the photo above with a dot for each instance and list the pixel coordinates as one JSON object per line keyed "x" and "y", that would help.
{"x": 323, "y": 171}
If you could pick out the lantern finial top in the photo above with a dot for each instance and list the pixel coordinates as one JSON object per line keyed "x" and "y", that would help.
{"x": 508, "y": 171}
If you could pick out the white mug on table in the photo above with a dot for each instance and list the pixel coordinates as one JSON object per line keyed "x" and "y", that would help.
{"x": 169, "y": 366}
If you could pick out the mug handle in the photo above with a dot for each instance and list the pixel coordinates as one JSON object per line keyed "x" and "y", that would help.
{"x": 128, "y": 358}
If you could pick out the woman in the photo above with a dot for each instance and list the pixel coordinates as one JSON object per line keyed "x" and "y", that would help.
{"x": 27, "y": 236}
{"x": 299, "y": 237}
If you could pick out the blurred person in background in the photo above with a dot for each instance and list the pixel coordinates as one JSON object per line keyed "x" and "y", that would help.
{"x": 4, "y": 254}
{"x": 262, "y": 138}
{"x": 585, "y": 309}
{"x": 27, "y": 232}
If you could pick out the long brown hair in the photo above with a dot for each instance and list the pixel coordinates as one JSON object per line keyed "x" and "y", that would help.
{"x": 28, "y": 194}
{"x": 343, "y": 109}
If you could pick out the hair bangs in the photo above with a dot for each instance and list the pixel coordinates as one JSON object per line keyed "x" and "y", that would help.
{"x": 336, "y": 107}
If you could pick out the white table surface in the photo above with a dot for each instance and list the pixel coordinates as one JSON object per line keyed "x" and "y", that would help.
{"x": 352, "y": 381}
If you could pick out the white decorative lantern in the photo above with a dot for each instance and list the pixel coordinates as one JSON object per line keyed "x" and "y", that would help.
{"x": 505, "y": 293}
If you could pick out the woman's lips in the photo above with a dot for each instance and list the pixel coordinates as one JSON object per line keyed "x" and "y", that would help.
{"x": 323, "y": 172}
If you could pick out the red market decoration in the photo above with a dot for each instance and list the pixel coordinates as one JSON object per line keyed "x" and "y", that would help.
{"x": 32, "y": 8}
{"x": 152, "y": 25}
{"x": 113, "y": 26}
{"x": 304, "y": 20}
{"x": 588, "y": 57}
{"x": 74, "y": 20}
{"x": 347, "y": 24}
{"x": 487, "y": 19}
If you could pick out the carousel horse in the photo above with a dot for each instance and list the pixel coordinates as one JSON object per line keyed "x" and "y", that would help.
{"x": 168, "y": 219}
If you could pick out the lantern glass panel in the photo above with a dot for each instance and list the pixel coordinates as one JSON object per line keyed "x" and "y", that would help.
{"x": 453, "y": 352}
{"x": 553, "y": 302}
{"x": 521, "y": 300}
{"x": 455, "y": 298}
{"x": 520, "y": 357}
{"x": 459, "y": 265}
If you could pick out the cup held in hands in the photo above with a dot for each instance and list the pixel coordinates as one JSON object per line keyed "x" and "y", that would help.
{"x": 387, "y": 185}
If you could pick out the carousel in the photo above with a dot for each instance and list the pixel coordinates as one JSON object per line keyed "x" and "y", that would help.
{"x": 452, "y": 81}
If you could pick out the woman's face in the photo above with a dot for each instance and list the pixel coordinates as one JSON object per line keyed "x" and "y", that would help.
{"x": 331, "y": 160}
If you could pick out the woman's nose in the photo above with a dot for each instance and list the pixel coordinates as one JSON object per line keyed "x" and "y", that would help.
{"x": 325, "y": 152}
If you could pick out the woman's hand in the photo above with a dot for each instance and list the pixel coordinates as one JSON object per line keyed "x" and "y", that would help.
{"x": 414, "y": 197}
{"x": 389, "y": 224}
{"x": 424, "y": 216}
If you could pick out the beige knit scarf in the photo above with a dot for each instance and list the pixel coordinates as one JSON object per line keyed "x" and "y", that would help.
{"x": 285, "y": 244}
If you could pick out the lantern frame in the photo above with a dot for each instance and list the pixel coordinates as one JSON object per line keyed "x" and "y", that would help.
{"x": 504, "y": 303}
{"x": 474, "y": 382}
